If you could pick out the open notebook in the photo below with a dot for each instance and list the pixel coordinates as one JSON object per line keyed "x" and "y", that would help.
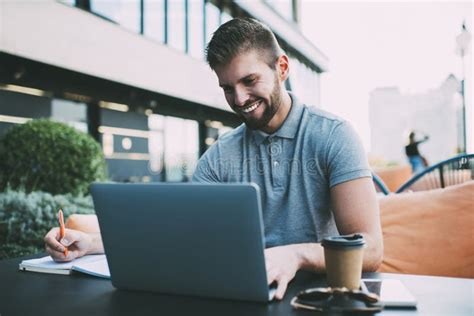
{"x": 95, "y": 265}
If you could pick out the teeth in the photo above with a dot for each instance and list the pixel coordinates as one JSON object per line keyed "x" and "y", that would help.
{"x": 252, "y": 107}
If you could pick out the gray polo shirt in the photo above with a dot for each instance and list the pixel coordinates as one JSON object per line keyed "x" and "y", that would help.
{"x": 295, "y": 167}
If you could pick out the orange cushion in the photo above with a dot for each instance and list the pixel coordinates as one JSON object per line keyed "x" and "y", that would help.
{"x": 432, "y": 180}
{"x": 430, "y": 232}
{"x": 394, "y": 176}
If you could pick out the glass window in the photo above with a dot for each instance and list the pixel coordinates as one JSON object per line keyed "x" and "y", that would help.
{"x": 212, "y": 20}
{"x": 294, "y": 75}
{"x": 214, "y": 130}
{"x": 176, "y": 24}
{"x": 304, "y": 82}
{"x": 156, "y": 146}
{"x": 181, "y": 148}
{"x": 154, "y": 19}
{"x": 283, "y": 7}
{"x": 225, "y": 17}
{"x": 196, "y": 28}
{"x": 72, "y": 113}
{"x": 124, "y": 12}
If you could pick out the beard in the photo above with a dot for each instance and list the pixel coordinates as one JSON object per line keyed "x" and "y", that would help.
{"x": 269, "y": 111}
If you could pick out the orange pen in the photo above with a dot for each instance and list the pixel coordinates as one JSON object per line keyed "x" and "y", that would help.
{"x": 62, "y": 230}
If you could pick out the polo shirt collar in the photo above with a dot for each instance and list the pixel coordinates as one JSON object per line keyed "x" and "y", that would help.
{"x": 289, "y": 127}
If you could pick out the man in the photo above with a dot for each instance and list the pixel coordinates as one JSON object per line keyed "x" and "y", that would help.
{"x": 417, "y": 161}
{"x": 309, "y": 164}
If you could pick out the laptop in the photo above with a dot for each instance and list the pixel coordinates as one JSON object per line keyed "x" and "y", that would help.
{"x": 185, "y": 238}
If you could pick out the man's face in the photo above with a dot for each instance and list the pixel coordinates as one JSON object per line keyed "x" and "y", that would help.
{"x": 251, "y": 88}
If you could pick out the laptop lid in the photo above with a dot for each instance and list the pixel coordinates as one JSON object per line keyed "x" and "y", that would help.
{"x": 191, "y": 239}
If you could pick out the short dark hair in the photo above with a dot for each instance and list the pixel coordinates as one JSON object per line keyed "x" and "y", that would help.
{"x": 241, "y": 35}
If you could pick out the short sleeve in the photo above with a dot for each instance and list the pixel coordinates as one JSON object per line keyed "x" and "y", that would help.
{"x": 346, "y": 158}
{"x": 206, "y": 170}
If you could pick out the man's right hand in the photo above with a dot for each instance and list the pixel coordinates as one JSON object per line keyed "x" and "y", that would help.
{"x": 78, "y": 243}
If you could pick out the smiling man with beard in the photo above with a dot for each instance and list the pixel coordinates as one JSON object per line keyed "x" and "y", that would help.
{"x": 309, "y": 164}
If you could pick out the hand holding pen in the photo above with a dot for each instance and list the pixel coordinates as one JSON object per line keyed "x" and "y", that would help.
{"x": 68, "y": 244}
{"x": 62, "y": 230}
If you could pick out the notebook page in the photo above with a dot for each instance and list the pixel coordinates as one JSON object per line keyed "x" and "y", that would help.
{"x": 98, "y": 267}
{"x": 49, "y": 263}
{"x": 46, "y": 263}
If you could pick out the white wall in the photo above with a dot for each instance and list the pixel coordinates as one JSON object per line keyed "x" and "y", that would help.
{"x": 393, "y": 115}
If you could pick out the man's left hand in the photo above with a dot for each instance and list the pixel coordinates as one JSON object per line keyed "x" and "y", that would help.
{"x": 282, "y": 263}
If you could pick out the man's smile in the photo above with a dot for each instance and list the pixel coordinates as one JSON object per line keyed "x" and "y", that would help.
{"x": 252, "y": 107}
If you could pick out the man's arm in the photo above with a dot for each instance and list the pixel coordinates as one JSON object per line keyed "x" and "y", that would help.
{"x": 355, "y": 210}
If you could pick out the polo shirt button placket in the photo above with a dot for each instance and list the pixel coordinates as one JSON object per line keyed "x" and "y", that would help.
{"x": 271, "y": 159}
{"x": 275, "y": 153}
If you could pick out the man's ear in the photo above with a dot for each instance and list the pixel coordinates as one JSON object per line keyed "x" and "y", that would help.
{"x": 283, "y": 67}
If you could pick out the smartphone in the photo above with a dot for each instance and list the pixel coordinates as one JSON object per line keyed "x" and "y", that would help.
{"x": 392, "y": 292}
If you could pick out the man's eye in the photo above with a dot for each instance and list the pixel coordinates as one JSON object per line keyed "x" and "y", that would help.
{"x": 250, "y": 81}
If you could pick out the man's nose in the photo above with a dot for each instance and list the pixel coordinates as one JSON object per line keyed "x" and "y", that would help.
{"x": 240, "y": 97}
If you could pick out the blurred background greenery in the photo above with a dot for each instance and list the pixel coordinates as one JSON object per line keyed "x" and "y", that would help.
{"x": 45, "y": 166}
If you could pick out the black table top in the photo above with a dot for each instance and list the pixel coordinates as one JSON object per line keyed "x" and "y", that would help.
{"x": 29, "y": 293}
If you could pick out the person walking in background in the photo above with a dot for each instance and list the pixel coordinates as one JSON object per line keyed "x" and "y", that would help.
{"x": 417, "y": 161}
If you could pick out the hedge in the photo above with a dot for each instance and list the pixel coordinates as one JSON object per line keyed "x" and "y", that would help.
{"x": 26, "y": 217}
{"x": 43, "y": 155}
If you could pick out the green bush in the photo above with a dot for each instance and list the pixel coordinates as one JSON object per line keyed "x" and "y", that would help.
{"x": 26, "y": 217}
{"x": 43, "y": 155}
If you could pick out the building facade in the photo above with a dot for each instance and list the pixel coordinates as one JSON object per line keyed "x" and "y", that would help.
{"x": 132, "y": 74}
{"x": 436, "y": 113}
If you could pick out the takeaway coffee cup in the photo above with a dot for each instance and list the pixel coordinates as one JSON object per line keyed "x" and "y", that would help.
{"x": 343, "y": 256}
